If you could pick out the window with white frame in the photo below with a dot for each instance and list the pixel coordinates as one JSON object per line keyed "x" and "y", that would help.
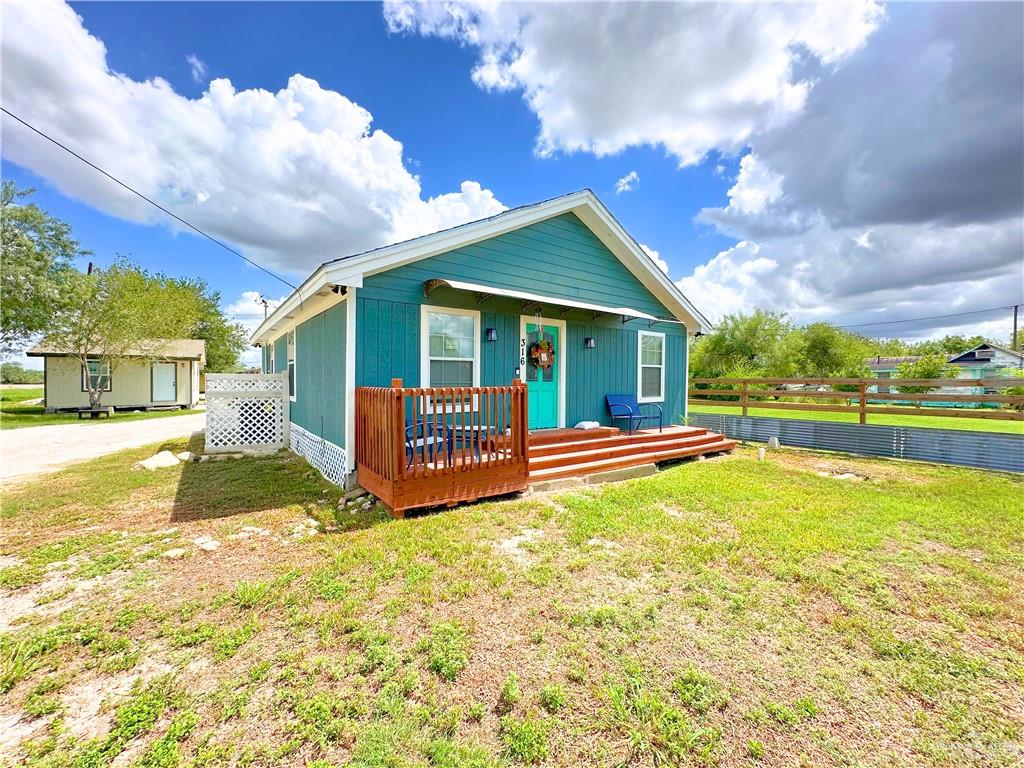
{"x": 96, "y": 375}
{"x": 651, "y": 368}
{"x": 291, "y": 364}
{"x": 451, "y": 347}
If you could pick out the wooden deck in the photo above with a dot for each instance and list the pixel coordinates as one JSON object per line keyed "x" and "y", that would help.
{"x": 558, "y": 453}
{"x": 418, "y": 447}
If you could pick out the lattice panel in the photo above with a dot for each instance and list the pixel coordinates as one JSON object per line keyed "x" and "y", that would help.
{"x": 272, "y": 383}
{"x": 246, "y": 412}
{"x": 322, "y": 454}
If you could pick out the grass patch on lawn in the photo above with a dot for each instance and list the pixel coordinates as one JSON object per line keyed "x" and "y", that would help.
{"x": 721, "y": 612}
{"x": 15, "y": 414}
{"x": 894, "y": 420}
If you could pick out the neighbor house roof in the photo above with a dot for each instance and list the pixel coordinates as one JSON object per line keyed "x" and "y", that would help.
{"x": 176, "y": 349}
{"x": 987, "y": 345}
{"x": 349, "y": 270}
{"x": 889, "y": 363}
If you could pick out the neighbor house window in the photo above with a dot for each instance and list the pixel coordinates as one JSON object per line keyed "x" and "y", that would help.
{"x": 451, "y": 344}
{"x": 651, "y": 368}
{"x": 291, "y": 364}
{"x": 96, "y": 375}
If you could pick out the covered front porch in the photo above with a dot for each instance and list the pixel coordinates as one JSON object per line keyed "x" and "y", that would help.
{"x": 422, "y": 447}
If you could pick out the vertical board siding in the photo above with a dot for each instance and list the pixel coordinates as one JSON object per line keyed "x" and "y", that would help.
{"x": 319, "y": 405}
{"x": 559, "y": 257}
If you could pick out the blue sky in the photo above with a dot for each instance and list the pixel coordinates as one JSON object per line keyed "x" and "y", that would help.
{"x": 854, "y": 162}
{"x": 419, "y": 90}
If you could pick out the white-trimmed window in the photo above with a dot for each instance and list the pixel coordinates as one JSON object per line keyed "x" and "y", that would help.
{"x": 450, "y": 345}
{"x": 650, "y": 386}
{"x": 96, "y": 375}
{"x": 291, "y": 364}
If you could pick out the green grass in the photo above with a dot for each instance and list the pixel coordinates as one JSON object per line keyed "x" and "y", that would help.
{"x": 895, "y": 420}
{"x": 750, "y": 612}
{"x": 14, "y": 414}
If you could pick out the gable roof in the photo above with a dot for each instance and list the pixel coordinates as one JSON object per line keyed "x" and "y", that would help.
{"x": 350, "y": 270}
{"x": 986, "y": 345}
{"x": 177, "y": 349}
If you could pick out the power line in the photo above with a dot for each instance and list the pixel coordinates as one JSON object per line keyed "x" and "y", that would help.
{"x": 188, "y": 224}
{"x": 929, "y": 317}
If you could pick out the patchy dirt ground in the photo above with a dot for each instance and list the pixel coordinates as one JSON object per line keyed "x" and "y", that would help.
{"x": 729, "y": 613}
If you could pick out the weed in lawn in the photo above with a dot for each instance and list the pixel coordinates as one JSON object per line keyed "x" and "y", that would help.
{"x": 510, "y": 694}
{"x": 698, "y": 690}
{"x": 552, "y": 698}
{"x": 448, "y": 649}
{"x": 227, "y": 642}
{"x": 654, "y": 729}
{"x": 526, "y": 738}
{"x": 249, "y": 594}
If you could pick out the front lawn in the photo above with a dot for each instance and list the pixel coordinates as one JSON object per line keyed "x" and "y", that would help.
{"x": 14, "y": 413}
{"x": 807, "y": 610}
{"x": 894, "y": 420}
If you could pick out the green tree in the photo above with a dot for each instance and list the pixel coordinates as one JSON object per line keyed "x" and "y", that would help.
{"x": 16, "y": 373}
{"x": 1018, "y": 375}
{"x": 225, "y": 341}
{"x": 829, "y": 351}
{"x": 928, "y": 367}
{"x": 36, "y": 255}
{"x": 947, "y": 345}
{"x": 117, "y": 310}
{"x": 739, "y": 341}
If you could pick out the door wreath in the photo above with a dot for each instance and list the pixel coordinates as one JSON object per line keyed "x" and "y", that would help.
{"x": 542, "y": 354}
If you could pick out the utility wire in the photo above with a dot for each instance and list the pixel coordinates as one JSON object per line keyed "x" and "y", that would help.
{"x": 929, "y": 317}
{"x": 188, "y": 224}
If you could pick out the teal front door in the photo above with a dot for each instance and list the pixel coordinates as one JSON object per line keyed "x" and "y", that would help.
{"x": 542, "y": 375}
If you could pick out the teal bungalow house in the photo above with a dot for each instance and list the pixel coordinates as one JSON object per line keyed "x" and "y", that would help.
{"x": 555, "y": 300}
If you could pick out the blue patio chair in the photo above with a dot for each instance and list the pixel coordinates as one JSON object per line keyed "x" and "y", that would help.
{"x": 426, "y": 436}
{"x": 626, "y": 407}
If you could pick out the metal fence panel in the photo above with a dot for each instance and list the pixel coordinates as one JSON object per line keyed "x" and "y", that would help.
{"x": 984, "y": 450}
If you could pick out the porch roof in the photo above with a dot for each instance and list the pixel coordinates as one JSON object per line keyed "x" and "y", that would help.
{"x": 484, "y": 291}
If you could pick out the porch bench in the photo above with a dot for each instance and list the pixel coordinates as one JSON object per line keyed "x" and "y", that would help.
{"x": 95, "y": 413}
{"x": 626, "y": 407}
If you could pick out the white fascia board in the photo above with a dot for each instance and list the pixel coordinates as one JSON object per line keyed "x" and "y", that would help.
{"x": 621, "y": 243}
{"x": 311, "y": 298}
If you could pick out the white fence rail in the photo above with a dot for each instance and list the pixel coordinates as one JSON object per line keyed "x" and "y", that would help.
{"x": 246, "y": 412}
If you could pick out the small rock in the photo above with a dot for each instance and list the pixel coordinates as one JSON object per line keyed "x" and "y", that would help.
{"x": 186, "y": 456}
{"x": 162, "y": 459}
{"x": 203, "y": 457}
{"x": 174, "y": 554}
{"x": 773, "y": 442}
{"x": 206, "y": 543}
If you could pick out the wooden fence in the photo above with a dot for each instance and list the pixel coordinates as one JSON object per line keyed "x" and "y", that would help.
{"x": 420, "y": 447}
{"x": 767, "y": 393}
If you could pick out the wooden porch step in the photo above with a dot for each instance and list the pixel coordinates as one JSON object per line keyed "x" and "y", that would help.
{"x": 632, "y": 460}
{"x": 600, "y": 443}
{"x": 545, "y": 437}
{"x": 582, "y": 452}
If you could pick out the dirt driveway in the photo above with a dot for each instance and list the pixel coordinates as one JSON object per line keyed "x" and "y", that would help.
{"x": 36, "y": 450}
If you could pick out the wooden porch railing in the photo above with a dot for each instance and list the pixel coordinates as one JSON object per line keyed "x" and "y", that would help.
{"x": 771, "y": 393}
{"x": 418, "y": 447}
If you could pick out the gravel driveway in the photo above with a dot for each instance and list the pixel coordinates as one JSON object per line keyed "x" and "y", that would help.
{"x": 33, "y": 451}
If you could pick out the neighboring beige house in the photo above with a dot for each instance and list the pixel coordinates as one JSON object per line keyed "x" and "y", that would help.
{"x": 136, "y": 381}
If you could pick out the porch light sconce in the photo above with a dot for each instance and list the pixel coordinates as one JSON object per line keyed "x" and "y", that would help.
{"x": 590, "y": 342}
{"x": 492, "y": 334}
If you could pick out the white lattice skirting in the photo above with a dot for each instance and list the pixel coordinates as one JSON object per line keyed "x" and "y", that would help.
{"x": 323, "y": 454}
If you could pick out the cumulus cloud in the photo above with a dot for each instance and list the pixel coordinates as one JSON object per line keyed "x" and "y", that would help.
{"x": 197, "y": 66}
{"x": 296, "y": 177}
{"x": 898, "y": 192}
{"x": 627, "y": 183}
{"x": 690, "y": 77}
{"x": 247, "y": 311}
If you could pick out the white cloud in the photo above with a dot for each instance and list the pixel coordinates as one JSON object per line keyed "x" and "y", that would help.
{"x": 296, "y": 177}
{"x": 627, "y": 183}
{"x": 247, "y": 310}
{"x": 691, "y": 77}
{"x": 197, "y": 67}
{"x": 655, "y": 257}
{"x": 756, "y": 187}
